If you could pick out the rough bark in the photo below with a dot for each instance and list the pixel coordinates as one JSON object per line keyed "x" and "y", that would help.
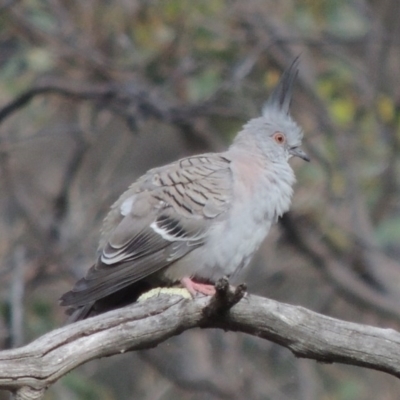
{"x": 29, "y": 370}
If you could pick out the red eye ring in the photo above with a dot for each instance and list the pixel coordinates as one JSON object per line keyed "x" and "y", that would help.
{"x": 279, "y": 137}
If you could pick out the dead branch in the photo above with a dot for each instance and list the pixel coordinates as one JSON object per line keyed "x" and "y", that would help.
{"x": 342, "y": 278}
{"x": 29, "y": 370}
{"x": 129, "y": 102}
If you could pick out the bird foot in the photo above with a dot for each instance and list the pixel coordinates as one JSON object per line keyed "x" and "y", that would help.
{"x": 194, "y": 287}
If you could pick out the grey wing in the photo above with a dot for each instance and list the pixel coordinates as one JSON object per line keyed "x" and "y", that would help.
{"x": 162, "y": 217}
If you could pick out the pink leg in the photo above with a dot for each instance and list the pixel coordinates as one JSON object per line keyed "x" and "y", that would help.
{"x": 194, "y": 287}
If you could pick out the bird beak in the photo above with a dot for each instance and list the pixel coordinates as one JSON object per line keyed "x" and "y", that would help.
{"x": 297, "y": 152}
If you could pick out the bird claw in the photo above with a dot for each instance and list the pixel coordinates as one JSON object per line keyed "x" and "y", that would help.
{"x": 194, "y": 287}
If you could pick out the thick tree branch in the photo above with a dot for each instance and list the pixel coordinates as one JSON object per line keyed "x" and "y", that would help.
{"x": 29, "y": 370}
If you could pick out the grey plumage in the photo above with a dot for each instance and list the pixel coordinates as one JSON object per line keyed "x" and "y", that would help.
{"x": 197, "y": 219}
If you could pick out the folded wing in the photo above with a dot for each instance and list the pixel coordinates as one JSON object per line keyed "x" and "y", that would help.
{"x": 162, "y": 217}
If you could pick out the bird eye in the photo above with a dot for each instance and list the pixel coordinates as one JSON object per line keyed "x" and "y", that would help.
{"x": 279, "y": 137}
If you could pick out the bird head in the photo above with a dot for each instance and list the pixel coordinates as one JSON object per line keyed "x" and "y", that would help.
{"x": 278, "y": 135}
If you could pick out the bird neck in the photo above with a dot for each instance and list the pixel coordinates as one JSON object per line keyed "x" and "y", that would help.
{"x": 267, "y": 181}
{"x": 244, "y": 141}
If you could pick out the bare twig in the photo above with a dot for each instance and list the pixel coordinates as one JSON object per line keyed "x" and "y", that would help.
{"x": 128, "y": 102}
{"x": 93, "y": 92}
{"x": 346, "y": 281}
{"x": 17, "y": 297}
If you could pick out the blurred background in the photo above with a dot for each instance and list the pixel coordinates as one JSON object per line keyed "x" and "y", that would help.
{"x": 94, "y": 93}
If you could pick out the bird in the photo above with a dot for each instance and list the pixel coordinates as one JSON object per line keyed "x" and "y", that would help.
{"x": 198, "y": 219}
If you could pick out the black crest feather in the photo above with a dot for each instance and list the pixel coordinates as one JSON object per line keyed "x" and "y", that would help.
{"x": 282, "y": 94}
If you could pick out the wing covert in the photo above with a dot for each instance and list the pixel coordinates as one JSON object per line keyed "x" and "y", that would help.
{"x": 163, "y": 216}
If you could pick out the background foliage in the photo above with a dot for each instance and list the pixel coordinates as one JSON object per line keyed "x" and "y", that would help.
{"x": 93, "y": 93}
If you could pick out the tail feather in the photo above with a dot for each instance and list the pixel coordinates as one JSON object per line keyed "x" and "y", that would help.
{"x": 115, "y": 300}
